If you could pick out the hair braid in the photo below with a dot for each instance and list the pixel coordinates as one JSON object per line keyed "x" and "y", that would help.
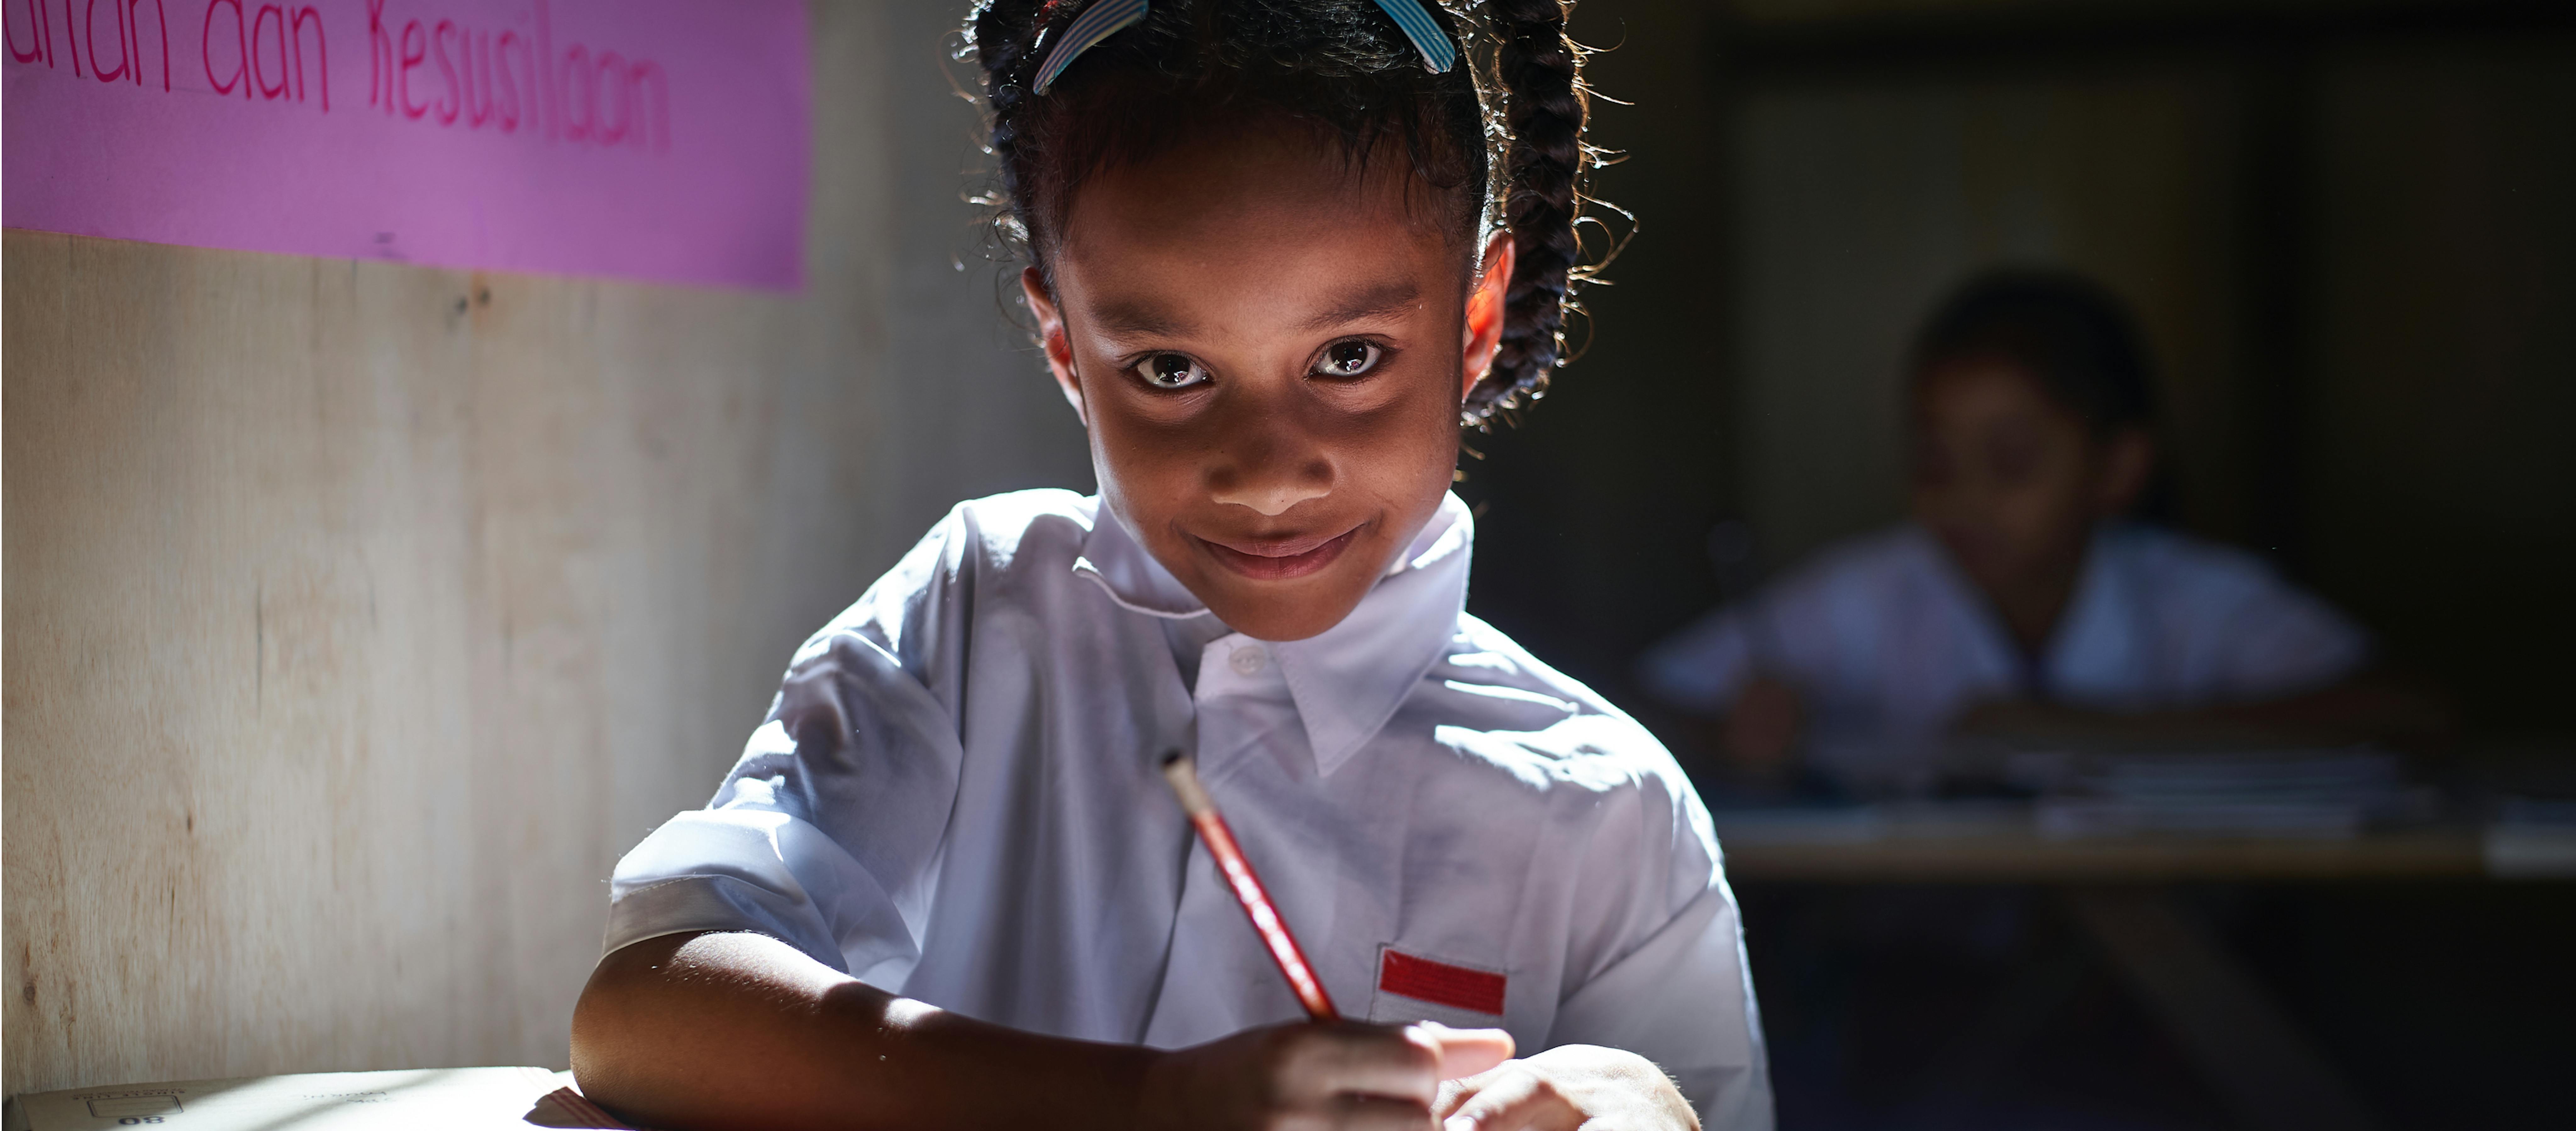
{"x": 1002, "y": 32}
{"x": 1541, "y": 70}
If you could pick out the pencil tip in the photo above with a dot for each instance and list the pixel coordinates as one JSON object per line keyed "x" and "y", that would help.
{"x": 1171, "y": 756}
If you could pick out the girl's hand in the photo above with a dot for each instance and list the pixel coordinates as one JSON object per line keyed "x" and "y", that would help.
{"x": 1565, "y": 1088}
{"x": 1311, "y": 1075}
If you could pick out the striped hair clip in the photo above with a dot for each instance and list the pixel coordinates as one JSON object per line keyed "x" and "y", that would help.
{"x": 1106, "y": 18}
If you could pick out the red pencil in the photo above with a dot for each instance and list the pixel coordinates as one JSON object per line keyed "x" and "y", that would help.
{"x": 1184, "y": 777}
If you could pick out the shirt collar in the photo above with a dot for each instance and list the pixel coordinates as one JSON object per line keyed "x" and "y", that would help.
{"x": 2092, "y": 633}
{"x": 1348, "y": 680}
{"x": 2096, "y": 643}
{"x": 1112, "y": 557}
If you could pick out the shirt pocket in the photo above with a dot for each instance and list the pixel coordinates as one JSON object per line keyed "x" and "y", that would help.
{"x": 1412, "y": 986}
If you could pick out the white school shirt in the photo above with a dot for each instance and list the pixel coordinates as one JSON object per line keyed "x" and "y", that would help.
{"x": 956, "y": 798}
{"x": 1888, "y": 642}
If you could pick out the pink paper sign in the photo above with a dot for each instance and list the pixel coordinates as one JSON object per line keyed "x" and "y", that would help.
{"x": 657, "y": 139}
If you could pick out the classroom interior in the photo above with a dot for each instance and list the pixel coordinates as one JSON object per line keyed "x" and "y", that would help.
{"x": 360, "y": 615}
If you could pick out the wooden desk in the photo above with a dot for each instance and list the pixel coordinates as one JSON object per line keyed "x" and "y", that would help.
{"x": 2119, "y": 888}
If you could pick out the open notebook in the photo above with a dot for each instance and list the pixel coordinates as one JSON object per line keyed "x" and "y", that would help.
{"x": 447, "y": 1099}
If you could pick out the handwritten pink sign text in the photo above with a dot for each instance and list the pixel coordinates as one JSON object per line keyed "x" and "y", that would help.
{"x": 654, "y": 139}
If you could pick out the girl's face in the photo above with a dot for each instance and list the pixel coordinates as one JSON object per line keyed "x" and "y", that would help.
{"x": 2011, "y": 481}
{"x": 1269, "y": 350}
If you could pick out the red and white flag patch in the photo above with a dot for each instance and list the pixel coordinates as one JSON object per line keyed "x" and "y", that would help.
{"x": 1440, "y": 983}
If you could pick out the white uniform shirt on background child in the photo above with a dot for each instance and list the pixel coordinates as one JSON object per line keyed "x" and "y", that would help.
{"x": 1888, "y": 642}
{"x": 956, "y": 798}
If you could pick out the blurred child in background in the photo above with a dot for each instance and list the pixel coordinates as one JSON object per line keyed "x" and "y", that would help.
{"x": 2019, "y": 596}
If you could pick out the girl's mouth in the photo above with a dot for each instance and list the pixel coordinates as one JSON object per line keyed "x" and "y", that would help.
{"x": 1280, "y": 559}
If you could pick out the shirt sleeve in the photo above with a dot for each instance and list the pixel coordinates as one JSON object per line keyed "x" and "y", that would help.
{"x": 1674, "y": 989}
{"x": 2229, "y": 628}
{"x": 2286, "y": 641}
{"x": 827, "y": 832}
{"x": 1822, "y": 627}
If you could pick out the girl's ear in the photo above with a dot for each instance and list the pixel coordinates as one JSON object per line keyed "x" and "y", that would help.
{"x": 1059, "y": 348}
{"x": 1486, "y": 310}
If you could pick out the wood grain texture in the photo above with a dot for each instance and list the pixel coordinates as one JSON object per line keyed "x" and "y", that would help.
{"x": 360, "y": 615}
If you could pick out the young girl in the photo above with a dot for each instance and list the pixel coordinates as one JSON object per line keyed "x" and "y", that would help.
{"x": 1273, "y": 265}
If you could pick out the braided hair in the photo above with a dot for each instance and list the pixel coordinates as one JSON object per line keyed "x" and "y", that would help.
{"x": 1498, "y": 139}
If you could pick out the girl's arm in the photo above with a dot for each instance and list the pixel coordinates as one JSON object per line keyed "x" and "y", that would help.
{"x": 717, "y": 1030}
{"x": 741, "y": 1030}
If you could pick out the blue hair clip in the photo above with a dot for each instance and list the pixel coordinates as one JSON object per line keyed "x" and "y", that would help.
{"x": 1438, "y": 54}
{"x": 1106, "y": 18}
{"x": 1102, "y": 20}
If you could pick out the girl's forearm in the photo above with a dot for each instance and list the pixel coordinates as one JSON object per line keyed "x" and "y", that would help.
{"x": 741, "y": 1030}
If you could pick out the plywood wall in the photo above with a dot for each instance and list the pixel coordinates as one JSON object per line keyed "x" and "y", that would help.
{"x": 358, "y": 616}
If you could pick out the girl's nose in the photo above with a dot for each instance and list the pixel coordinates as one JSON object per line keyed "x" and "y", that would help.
{"x": 1269, "y": 471}
{"x": 1274, "y": 494}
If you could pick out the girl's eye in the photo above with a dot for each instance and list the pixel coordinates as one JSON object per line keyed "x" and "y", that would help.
{"x": 1171, "y": 371}
{"x": 1347, "y": 359}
